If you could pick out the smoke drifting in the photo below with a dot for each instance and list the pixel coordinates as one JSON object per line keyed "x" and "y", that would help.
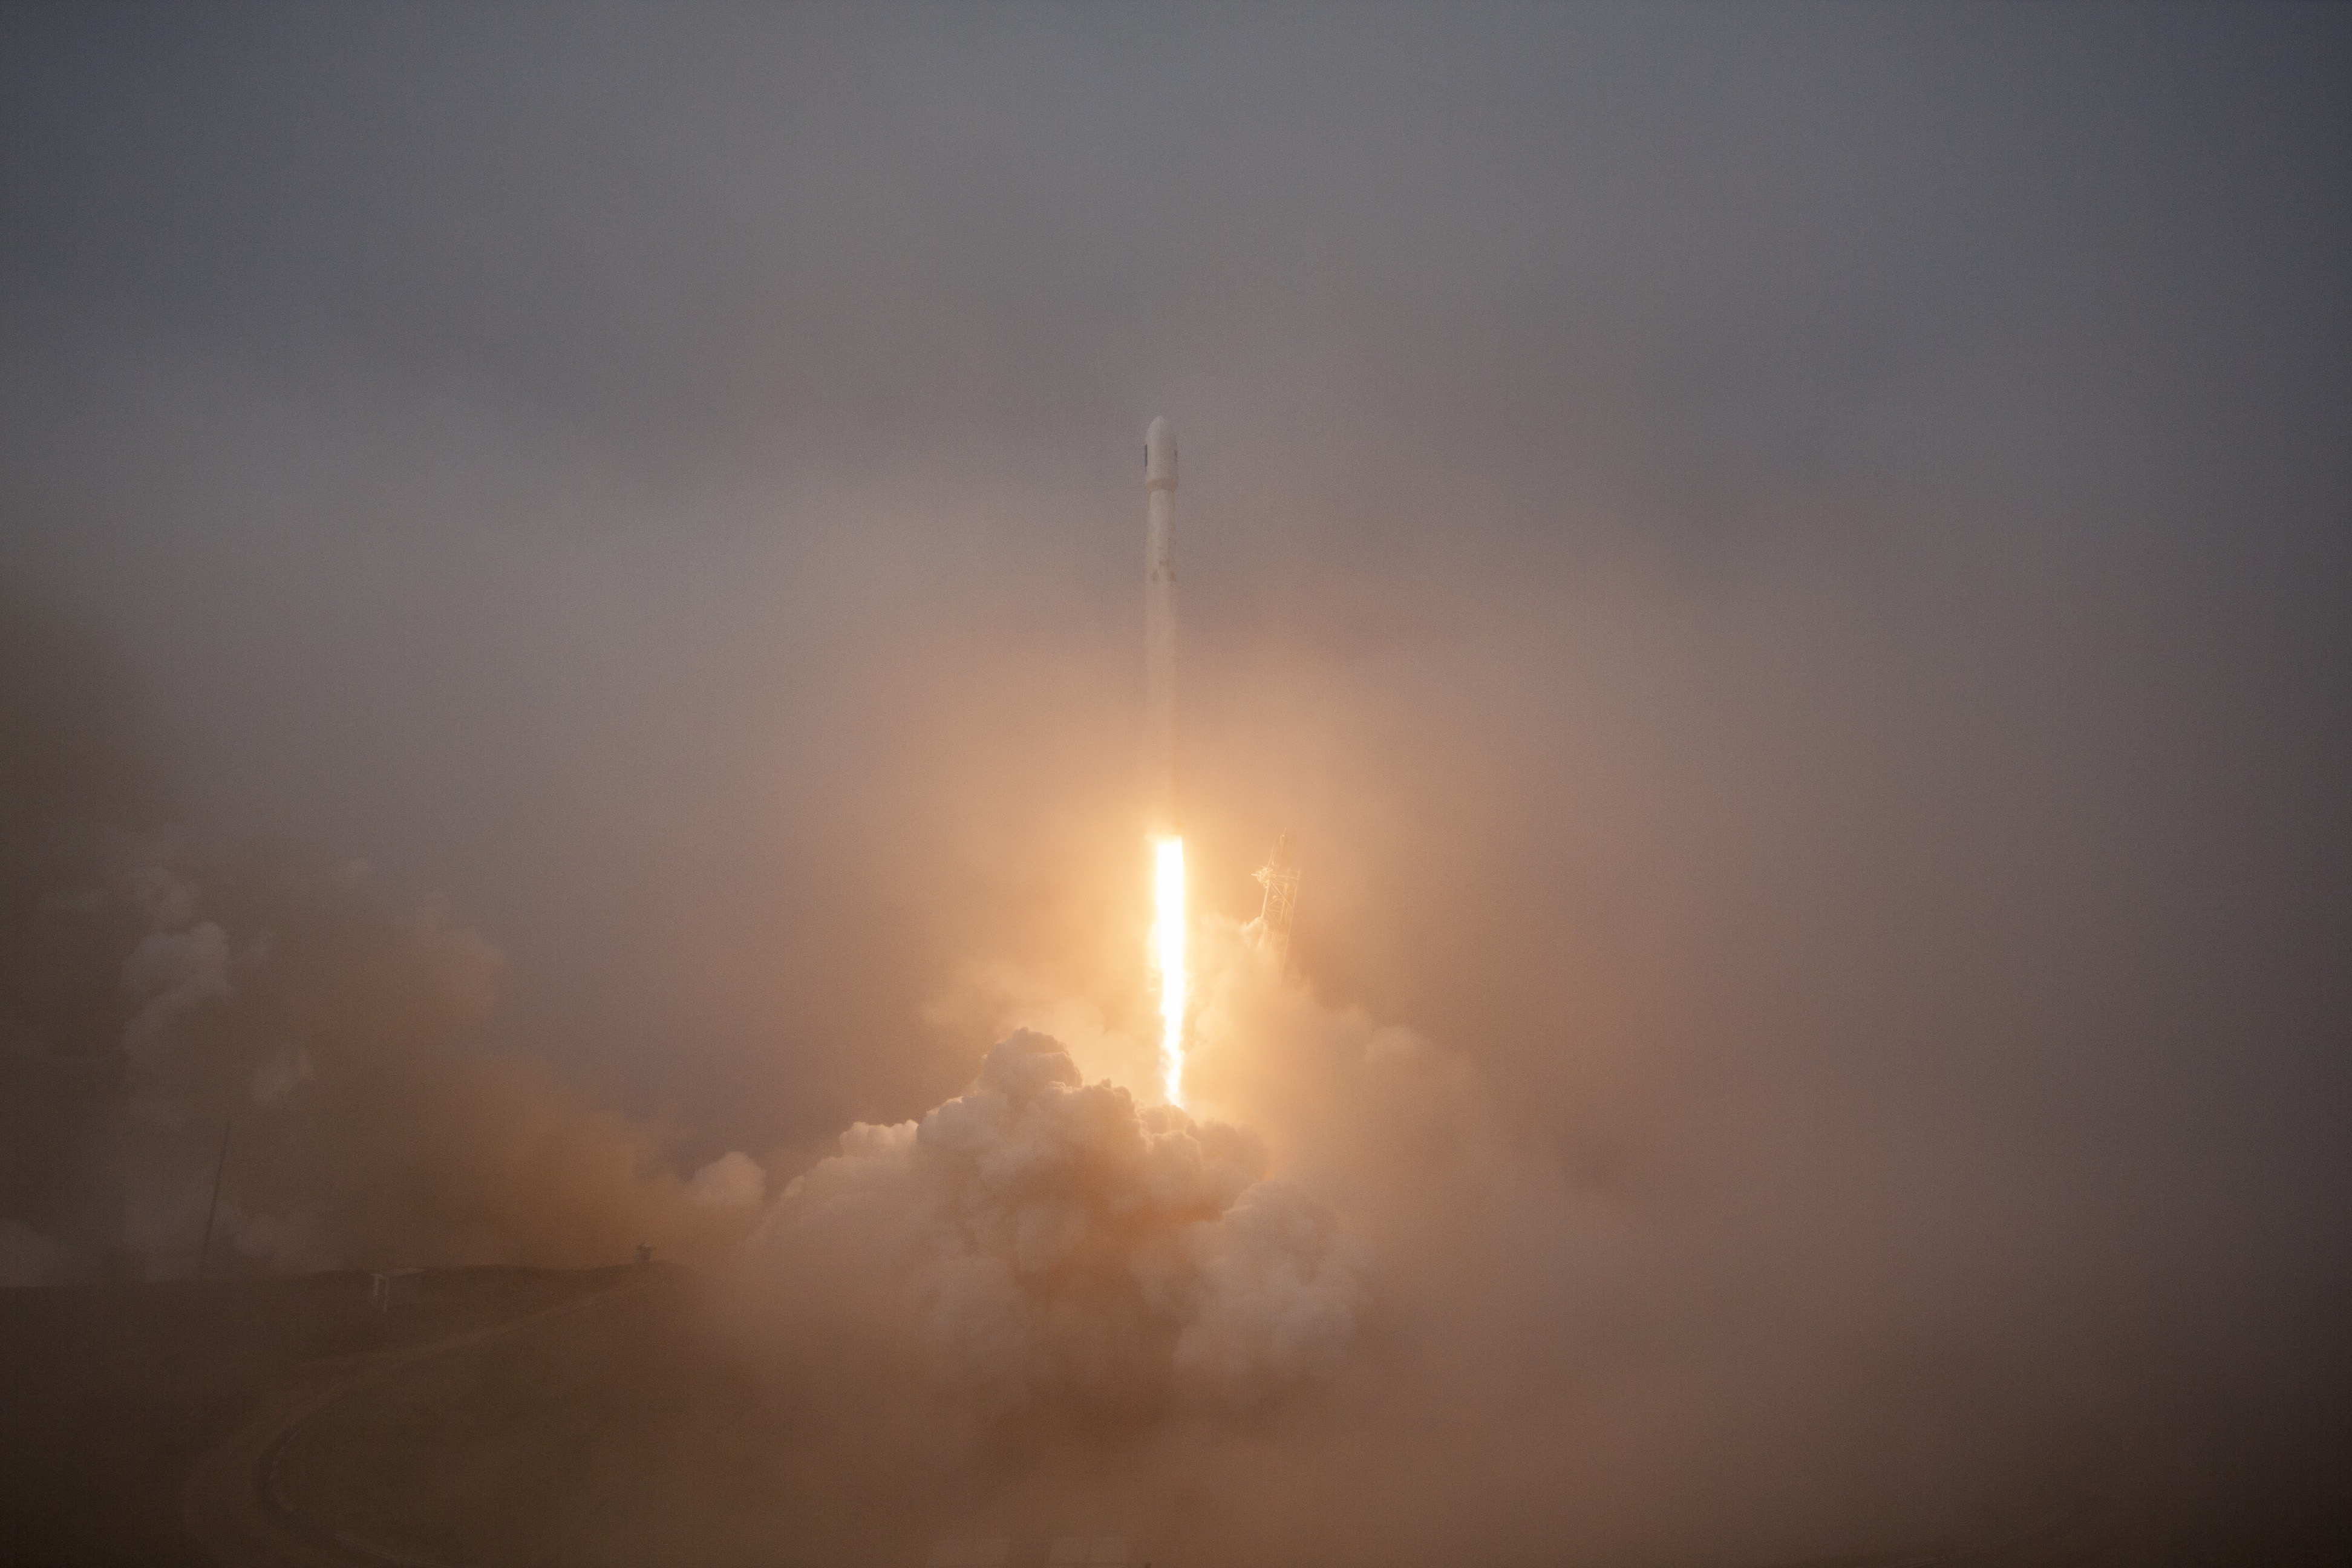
{"x": 1787, "y": 568}
{"x": 1398, "y": 1327}
{"x": 162, "y": 999}
{"x": 1043, "y": 1240}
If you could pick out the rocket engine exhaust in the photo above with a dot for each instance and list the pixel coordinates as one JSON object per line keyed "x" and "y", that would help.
{"x": 1168, "y": 927}
{"x": 1168, "y": 956}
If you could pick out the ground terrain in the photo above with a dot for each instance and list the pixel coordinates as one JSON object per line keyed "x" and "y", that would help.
{"x": 523, "y": 1417}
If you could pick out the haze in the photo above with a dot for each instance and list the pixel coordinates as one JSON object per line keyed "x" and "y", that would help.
{"x": 1790, "y": 570}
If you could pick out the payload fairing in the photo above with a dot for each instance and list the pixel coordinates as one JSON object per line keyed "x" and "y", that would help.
{"x": 1159, "y": 626}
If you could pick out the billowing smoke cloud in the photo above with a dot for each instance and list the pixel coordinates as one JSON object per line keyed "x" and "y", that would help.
{"x": 1040, "y": 1238}
{"x": 1787, "y": 569}
{"x": 1349, "y": 1309}
{"x": 173, "y": 1016}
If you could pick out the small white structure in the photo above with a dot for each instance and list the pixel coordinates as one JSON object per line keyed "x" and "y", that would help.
{"x": 394, "y": 1287}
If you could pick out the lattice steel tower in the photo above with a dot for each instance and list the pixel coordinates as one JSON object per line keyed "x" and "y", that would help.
{"x": 1279, "y": 878}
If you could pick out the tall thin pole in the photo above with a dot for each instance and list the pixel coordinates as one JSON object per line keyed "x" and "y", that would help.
{"x": 220, "y": 1169}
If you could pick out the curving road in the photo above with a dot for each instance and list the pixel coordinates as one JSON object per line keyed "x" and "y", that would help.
{"x": 231, "y": 1504}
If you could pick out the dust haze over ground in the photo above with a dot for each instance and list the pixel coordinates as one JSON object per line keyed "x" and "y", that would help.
{"x": 572, "y": 631}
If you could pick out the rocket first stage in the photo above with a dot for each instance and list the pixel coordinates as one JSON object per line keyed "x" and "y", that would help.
{"x": 1159, "y": 626}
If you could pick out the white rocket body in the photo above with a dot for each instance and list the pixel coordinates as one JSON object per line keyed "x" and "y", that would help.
{"x": 1159, "y": 626}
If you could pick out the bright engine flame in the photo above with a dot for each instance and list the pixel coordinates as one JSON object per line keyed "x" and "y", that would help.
{"x": 1168, "y": 954}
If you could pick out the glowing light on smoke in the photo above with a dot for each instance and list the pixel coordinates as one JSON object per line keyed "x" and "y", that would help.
{"x": 1168, "y": 957}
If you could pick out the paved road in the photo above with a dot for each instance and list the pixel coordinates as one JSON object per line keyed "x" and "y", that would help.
{"x": 230, "y": 1504}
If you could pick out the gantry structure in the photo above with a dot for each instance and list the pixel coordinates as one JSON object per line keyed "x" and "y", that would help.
{"x": 1279, "y": 878}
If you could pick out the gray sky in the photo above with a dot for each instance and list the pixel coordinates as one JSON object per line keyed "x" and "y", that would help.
{"x": 1799, "y": 552}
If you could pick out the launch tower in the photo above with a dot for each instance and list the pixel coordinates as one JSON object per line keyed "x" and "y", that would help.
{"x": 1279, "y": 878}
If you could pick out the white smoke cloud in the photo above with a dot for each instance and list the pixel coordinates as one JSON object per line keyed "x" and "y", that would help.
{"x": 170, "y": 972}
{"x": 1042, "y": 1238}
{"x": 734, "y": 1180}
{"x": 340, "y": 1053}
{"x": 166, "y": 900}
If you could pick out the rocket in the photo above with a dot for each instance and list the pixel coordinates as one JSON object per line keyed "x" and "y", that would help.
{"x": 1159, "y": 626}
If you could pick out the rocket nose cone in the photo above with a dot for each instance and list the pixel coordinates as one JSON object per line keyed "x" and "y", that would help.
{"x": 1160, "y": 456}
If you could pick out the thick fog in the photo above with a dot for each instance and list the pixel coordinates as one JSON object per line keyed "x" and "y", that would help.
{"x": 573, "y": 630}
